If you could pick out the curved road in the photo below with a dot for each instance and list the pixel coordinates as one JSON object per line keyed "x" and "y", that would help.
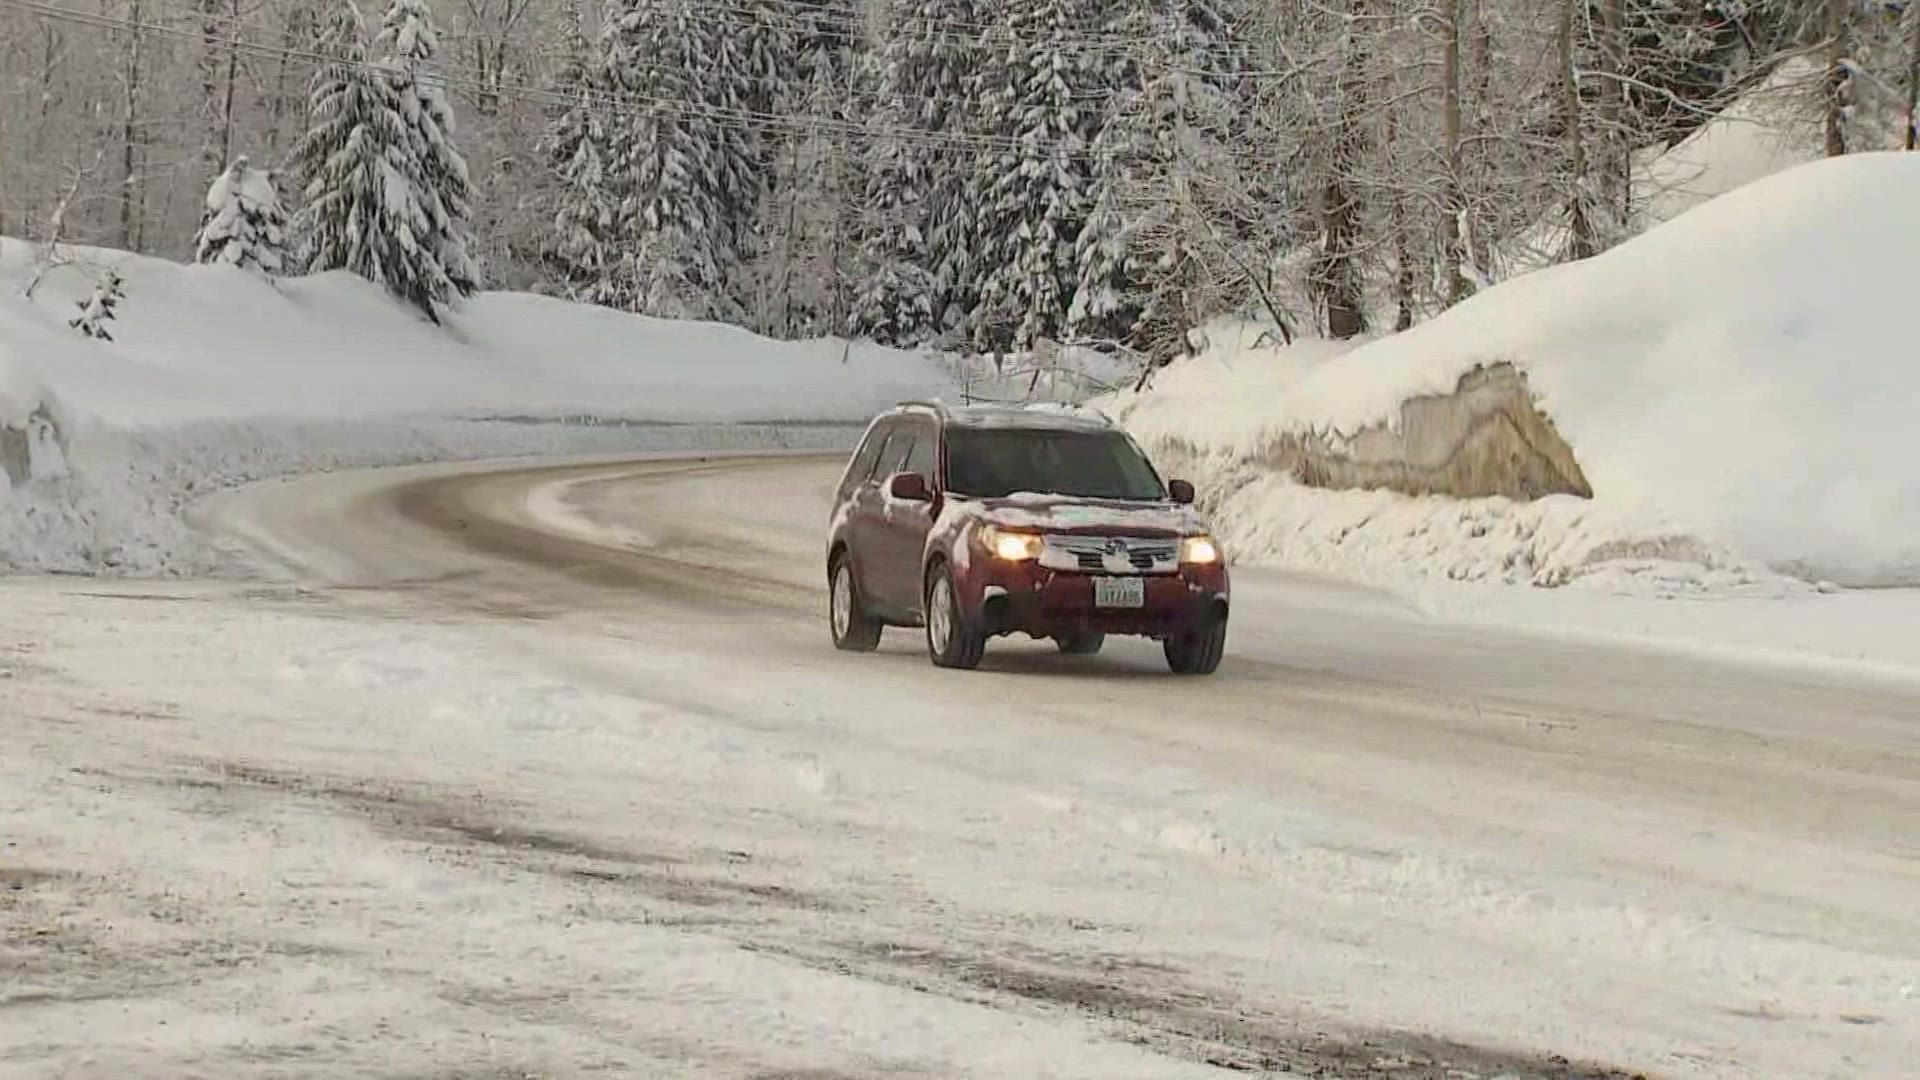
{"x": 1372, "y": 845}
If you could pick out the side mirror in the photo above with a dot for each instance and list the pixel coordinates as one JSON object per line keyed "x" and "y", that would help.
{"x": 1180, "y": 491}
{"x": 910, "y": 487}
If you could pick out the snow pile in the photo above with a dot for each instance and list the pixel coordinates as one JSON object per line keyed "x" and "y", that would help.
{"x": 1776, "y": 124}
{"x": 216, "y": 376}
{"x": 20, "y": 392}
{"x": 1771, "y": 128}
{"x": 1236, "y": 392}
{"x": 1741, "y": 377}
{"x": 32, "y": 429}
{"x": 211, "y": 342}
{"x": 1388, "y": 537}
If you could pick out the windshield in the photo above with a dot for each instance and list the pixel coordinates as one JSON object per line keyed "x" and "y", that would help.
{"x": 992, "y": 464}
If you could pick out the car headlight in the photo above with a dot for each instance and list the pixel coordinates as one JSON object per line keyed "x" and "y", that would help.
{"x": 1199, "y": 551}
{"x": 1011, "y": 546}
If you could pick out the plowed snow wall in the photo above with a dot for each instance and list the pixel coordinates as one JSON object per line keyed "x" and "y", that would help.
{"x": 1485, "y": 438}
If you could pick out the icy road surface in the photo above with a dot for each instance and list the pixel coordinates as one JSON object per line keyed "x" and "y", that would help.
{"x": 552, "y": 772}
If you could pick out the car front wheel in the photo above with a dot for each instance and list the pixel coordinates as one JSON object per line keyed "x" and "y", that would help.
{"x": 952, "y": 639}
{"x": 853, "y": 629}
{"x": 1197, "y": 651}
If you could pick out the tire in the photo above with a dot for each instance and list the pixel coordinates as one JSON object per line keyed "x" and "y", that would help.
{"x": 952, "y": 639}
{"x": 853, "y": 629}
{"x": 1081, "y": 643}
{"x": 1197, "y": 651}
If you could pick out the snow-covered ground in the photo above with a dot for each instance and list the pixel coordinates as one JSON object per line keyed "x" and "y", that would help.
{"x": 215, "y": 377}
{"x": 215, "y": 343}
{"x": 1735, "y": 385}
{"x": 509, "y": 804}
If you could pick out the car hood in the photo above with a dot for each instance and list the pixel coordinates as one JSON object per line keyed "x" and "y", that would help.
{"x": 1067, "y": 514}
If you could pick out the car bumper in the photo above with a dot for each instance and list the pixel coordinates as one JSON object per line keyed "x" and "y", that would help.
{"x": 1031, "y": 599}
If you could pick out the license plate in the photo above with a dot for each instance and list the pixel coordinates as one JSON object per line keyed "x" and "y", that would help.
{"x": 1119, "y": 592}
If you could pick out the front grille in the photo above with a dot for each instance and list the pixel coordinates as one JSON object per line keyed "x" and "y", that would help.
{"x": 1107, "y": 554}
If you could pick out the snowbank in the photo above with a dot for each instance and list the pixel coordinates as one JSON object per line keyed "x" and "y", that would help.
{"x": 32, "y": 428}
{"x": 212, "y": 342}
{"x": 1234, "y": 395}
{"x": 1771, "y": 128}
{"x": 21, "y": 394}
{"x": 216, "y": 377}
{"x": 1388, "y": 538}
{"x": 1741, "y": 376}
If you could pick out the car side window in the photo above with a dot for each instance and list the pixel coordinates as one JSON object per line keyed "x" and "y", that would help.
{"x": 861, "y": 469}
{"x": 920, "y": 459}
{"x": 886, "y": 454}
{"x": 894, "y": 458}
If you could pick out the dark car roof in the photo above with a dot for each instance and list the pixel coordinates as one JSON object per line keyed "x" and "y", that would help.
{"x": 1042, "y": 417}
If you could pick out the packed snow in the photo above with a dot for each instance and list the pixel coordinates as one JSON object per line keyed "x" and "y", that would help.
{"x": 1737, "y": 382}
{"x": 210, "y": 342}
{"x": 216, "y": 377}
{"x": 21, "y": 394}
{"x": 1766, "y": 130}
{"x": 1510, "y": 843}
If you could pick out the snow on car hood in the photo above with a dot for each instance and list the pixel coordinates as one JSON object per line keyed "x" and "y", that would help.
{"x": 1056, "y": 513}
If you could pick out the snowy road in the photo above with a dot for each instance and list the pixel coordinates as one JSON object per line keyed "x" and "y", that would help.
{"x": 551, "y": 771}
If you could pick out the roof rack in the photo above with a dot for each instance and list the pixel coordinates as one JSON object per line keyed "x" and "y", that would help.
{"x": 986, "y": 412}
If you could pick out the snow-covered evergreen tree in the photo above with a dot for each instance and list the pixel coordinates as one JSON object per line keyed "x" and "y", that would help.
{"x": 676, "y": 164}
{"x": 804, "y": 233}
{"x": 919, "y": 220}
{"x": 97, "y": 310}
{"x": 387, "y": 194}
{"x": 580, "y": 249}
{"x": 1170, "y": 190}
{"x": 245, "y": 225}
{"x": 755, "y": 74}
{"x": 406, "y": 47}
{"x": 893, "y": 303}
{"x": 341, "y": 158}
{"x": 1107, "y": 292}
{"x": 1035, "y": 196}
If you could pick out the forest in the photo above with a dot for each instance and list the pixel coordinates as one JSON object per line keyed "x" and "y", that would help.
{"x": 960, "y": 174}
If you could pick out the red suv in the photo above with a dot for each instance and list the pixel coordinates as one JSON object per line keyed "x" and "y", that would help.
{"x": 979, "y": 521}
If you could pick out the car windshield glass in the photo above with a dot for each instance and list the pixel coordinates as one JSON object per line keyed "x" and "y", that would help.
{"x": 995, "y": 463}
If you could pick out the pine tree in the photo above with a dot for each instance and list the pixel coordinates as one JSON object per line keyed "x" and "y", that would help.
{"x": 1170, "y": 188}
{"x": 1034, "y": 197}
{"x": 407, "y": 44}
{"x": 894, "y": 302}
{"x": 752, "y": 48}
{"x": 97, "y": 310}
{"x": 919, "y": 216}
{"x": 245, "y": 225}
{"x": 579, "y": 251}
{"x": 386, "y": 192}
{"x": 586, "y": 226}
{"x": 1107, "y": 300}
{"x": 1109, "y": 295}
{"x": 803, "y": 236}
{"x": 341, "y": 158}
{"x": 676, "y": 157}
